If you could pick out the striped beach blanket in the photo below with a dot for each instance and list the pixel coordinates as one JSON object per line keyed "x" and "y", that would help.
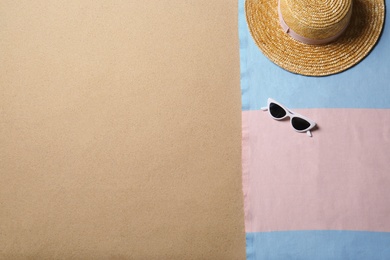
{"x": 325, "y": 196}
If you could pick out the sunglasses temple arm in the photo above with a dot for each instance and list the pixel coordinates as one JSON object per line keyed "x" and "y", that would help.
{"x": 264, "y": 108}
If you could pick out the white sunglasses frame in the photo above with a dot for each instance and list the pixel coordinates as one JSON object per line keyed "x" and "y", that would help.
{"x": 291, "y": 115}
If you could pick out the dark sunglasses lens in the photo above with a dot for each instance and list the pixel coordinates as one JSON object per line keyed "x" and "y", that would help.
{"x": 276, "y": 110}
{"x": 299, "y": 123}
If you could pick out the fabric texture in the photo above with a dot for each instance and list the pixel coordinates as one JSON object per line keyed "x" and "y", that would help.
{"x": 324, "y": 197}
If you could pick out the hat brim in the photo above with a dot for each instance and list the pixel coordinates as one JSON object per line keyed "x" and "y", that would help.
{"x": 315, "y": 60}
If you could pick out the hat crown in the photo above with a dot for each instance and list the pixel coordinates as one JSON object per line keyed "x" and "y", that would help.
{"x": 316, "y": 19}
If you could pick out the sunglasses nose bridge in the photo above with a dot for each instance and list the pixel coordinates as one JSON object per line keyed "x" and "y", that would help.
{"x": 279, "y": 118}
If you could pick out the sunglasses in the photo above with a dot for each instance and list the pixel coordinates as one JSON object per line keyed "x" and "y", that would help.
{"x": 298, "y": 122}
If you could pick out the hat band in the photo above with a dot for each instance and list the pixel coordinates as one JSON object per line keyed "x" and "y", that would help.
{"x": 303, "y": 39}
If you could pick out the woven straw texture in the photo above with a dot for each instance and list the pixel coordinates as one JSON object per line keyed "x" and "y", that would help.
{"x": 351, "y": 47}
{"x": 314, "y": 19}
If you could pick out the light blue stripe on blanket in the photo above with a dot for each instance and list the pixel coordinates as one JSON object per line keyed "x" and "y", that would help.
{"x": 343, "y": 245}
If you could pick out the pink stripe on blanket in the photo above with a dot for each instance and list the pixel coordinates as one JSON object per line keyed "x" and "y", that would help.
{"x": 339, "y": 179}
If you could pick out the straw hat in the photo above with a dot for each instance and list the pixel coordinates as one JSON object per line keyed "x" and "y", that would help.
{"x": 315, "y": 37}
